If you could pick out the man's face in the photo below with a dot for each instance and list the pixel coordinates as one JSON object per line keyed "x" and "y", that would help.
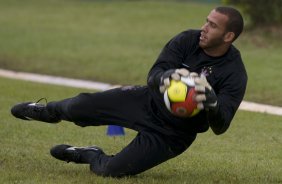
{"x": 213, "y": 31}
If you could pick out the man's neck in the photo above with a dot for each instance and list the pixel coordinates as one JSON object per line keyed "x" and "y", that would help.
{"x": 217, "y": 52}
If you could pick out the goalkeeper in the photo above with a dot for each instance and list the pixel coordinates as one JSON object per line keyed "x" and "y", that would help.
{"x": 220, "y": 79}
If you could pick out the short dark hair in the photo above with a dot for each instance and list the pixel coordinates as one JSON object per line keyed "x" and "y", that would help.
{"x": 235, "y": 22}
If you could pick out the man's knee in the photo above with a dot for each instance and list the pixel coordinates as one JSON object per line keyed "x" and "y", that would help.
{"x": 107, "y": 171}
{"x": 76, "y": 104}
{"x": 105, "y": 166}
{"x": 77, "y": 107}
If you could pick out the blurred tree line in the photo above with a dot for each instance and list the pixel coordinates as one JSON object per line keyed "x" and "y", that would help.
{"x": 260, "y": 12}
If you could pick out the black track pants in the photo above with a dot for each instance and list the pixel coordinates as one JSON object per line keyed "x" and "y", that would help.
{"x": 128, "y": 107}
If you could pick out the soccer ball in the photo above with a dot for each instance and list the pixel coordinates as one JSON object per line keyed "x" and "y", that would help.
{"x": 179, "y": 97}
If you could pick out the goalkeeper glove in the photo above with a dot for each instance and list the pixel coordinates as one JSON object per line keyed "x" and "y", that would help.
{"x": 205, "y": 95}
{"x": 174, "y": 74}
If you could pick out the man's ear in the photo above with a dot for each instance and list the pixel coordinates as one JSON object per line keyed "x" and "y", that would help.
{"x": 229, "y": 36}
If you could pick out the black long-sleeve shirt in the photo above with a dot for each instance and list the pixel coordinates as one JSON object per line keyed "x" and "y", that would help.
{"x": 226, "y": 74}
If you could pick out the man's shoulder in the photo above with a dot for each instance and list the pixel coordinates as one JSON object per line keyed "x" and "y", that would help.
{"x": 236, "y": 62}
{"x": 188, "y": 38}
{"x": 190, "y": 33}
{"x": 234, "y": 52}
{"x": 234, "y": 56}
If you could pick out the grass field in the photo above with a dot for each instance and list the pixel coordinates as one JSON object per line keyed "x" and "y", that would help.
{"x": 250, "y": 152}
{"x": 117, "y": 42}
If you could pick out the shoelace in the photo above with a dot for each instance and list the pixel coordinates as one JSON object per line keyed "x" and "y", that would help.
{"x": 41, "y": 100}
{"x": 37, "y": 111}
{"x": 33, "y": 112}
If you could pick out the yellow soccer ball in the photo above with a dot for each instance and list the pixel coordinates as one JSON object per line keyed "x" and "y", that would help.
{"x": 179, "y": 98}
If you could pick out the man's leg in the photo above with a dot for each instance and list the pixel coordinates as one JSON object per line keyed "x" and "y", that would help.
{"x": 121, "y": 106}
{"x": 147, "y": 150}
{"x": 127, "y": 107}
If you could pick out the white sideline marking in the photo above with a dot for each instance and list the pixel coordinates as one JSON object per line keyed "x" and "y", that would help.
{"x": 55, "y": 80}
{"x": 262, "y": 108}
{"x": 62, "y": 81}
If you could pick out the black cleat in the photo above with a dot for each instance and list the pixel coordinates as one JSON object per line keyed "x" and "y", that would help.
{"x": 33, "y": 111}
{"x": 80, "y": 155}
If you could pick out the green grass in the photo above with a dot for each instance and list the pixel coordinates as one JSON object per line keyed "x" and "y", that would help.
{"x": 117, "y": 42}
{"x": 92, "y": 37}
{"x": 261, "y": 53}
{"x": 250, "y": 152}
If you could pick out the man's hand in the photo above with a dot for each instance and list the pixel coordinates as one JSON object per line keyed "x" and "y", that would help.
{"x": 174, "y": 74}
{"x": 205, "y": 97}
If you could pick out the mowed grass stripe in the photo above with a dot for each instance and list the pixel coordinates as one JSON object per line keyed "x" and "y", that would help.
{"x": 249, "y": 152}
